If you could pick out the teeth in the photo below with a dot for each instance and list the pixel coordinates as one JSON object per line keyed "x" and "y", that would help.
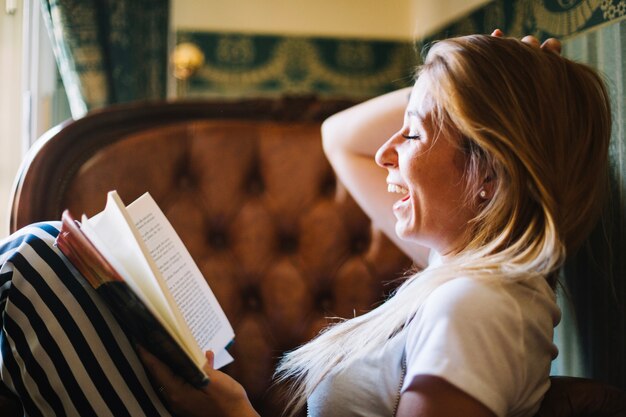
{"x": 393, "y": 188}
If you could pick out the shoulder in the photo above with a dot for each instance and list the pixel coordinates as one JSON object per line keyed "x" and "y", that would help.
{"x": 476, "y": 296}
{"x": 466, "y": 312}
{"x": 486, "y": 337}
{"x": 500, "y": 322}
{"x": 499, "y": 309}
{"x": 469, "y": 299}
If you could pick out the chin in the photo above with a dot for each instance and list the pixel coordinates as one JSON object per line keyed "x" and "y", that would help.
{"x": 404, "y": 233}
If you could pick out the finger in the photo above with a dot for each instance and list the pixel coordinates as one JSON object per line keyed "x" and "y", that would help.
{"x": 531, "y": 40}
{"x": 209, "y": 365}
{"x": 498, "y": 33}
{"x": 210, "y": 361}
{"x": 552, "y": 45}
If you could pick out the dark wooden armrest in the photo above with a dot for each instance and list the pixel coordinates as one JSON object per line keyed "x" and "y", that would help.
{"x": 581, "y": 397}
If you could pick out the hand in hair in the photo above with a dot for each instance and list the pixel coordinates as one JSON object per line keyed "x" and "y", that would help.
{"x": 550, "y": 45}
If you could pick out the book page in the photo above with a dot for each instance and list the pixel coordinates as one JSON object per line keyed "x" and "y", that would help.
{"x": 222, "y": 358}
{"x": 124, "y": 298}
{"x": 110, "y": 233}
{"x": 182, "y": 277}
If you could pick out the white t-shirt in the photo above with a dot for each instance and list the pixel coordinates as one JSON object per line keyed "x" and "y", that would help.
{"x": 491, "y": 340}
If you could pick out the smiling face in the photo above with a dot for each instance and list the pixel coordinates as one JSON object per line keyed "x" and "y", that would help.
{"x": 426, "y": 167}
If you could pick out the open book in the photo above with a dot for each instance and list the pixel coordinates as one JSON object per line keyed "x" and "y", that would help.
{"x": 136, "y": 262}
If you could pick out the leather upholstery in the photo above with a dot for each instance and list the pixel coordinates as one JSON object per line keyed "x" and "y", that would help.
{"x": 581, "y": 397}
{"x": 255, "y": 204}
{"x": 281, "y": 244}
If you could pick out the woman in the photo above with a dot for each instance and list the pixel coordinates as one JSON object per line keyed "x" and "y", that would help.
{"x": 497, "y": 172}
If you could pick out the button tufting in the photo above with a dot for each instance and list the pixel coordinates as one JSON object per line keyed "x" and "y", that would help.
{"x": 184, "y": 178}
{"x": 185, "y": 182}
{"x": 328, "y": 186}
{"x": 287, "y": 243}
{"x": 255, "y": 186}
{"x": 325, "y": 301}
{"x": 251, "y": 298}
{"x": 218, "y": 240}
{"x": 359, "y": 244}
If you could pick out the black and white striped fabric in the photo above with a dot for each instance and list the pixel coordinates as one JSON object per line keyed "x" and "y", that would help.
{"x": 61, "y": 351}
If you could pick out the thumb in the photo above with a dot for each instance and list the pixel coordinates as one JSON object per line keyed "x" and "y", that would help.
{"x": 210, "y": 361}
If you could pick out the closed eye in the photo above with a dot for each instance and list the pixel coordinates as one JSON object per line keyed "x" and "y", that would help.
{"x": 411, "y": 129}
{"x": 411, "y": 137}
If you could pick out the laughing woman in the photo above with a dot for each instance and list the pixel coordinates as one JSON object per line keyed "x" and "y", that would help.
{"x": 496, "y": 173}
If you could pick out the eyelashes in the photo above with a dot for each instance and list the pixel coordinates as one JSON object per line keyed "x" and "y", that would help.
{"x": 411, "y": 129}
{"x": 411, "y": 137}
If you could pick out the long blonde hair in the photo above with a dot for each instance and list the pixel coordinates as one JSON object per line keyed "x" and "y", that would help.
{"x": 535, "y": 124}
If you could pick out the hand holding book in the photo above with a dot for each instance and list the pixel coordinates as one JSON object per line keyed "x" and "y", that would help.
{"x": 223, "y": 396}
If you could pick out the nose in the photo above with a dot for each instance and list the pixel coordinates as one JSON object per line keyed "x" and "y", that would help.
{"x": 387, "y": 156}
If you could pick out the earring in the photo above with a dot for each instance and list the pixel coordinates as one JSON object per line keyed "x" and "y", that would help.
{"x": 483, "y": 194}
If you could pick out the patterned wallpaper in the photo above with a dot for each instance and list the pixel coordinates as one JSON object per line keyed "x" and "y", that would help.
{"x": 542, "y": 18}
{"x": 244, "y": 65}
{"x": 248, "y": 65}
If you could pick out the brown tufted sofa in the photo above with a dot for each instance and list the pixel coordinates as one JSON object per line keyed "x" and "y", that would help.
{"x": 248, "y": 189}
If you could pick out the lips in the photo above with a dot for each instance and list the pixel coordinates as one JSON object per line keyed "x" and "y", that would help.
{"x": 398, "y": 189}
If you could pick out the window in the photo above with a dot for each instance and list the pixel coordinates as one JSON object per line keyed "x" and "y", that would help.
{"x": 33, "y": 98}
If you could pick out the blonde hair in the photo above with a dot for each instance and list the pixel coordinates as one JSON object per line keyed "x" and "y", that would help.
{"x": 535, "y": 124}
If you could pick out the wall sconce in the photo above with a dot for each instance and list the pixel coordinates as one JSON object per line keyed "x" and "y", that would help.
{"x": 187, "y": 58}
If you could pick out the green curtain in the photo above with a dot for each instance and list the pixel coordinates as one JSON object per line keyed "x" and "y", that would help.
{"x": 109, "y": 51}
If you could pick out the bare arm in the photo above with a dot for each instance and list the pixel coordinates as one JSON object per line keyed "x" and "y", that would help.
{"x": 430, "y": 396}
{"x": 351, "y": 139}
